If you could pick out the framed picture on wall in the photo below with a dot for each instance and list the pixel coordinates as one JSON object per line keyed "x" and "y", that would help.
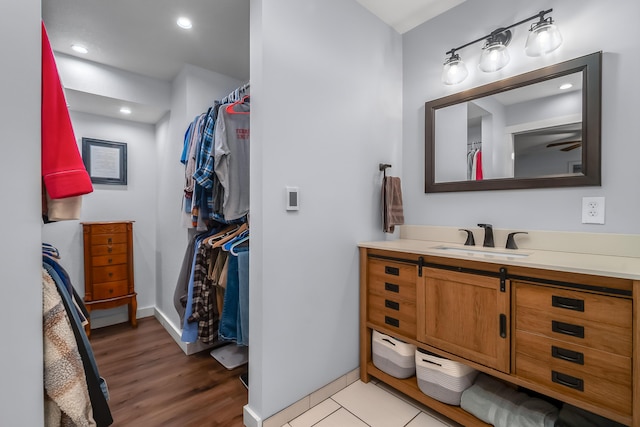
{"x": 106, "y": 161}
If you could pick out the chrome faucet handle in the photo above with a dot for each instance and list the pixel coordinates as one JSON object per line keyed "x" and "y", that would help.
{"x": 511, "y": 242}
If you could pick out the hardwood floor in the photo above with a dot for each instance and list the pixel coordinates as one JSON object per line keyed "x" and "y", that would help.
{"x": 153, "y": 383}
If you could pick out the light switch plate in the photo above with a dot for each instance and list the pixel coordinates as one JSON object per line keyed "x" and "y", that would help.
{"x": 293, "y": 200}
{"x": 593, "y": 210}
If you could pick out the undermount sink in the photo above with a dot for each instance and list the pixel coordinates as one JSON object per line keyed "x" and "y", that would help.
{"x": 487, "y": 252}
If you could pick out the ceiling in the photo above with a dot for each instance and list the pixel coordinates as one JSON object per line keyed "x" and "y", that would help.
{"x": 141, "y": 36}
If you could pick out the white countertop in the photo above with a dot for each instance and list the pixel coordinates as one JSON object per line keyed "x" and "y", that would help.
{"x": 594, "y": 264}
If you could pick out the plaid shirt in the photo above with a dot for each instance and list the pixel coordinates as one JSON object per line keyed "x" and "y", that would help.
{"x": 205, "y": 309}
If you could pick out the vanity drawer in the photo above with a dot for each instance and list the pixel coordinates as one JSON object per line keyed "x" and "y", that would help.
{"x": 110, "y": 273}
{"x": 589, "y": 388}
{"x": 586, "y": 333}
{"x": 110, "y": 289}
{"x": 576, "y": 304}
{"x": 107, "y": 228}
{"x": 396, "y": 315}
{"x": 102, "y": 260}
{"x": 392, "y": 279}
{"x": 108, "y": 239}
{"x": 114, "y": 249}
{"x": 563, "y": 356}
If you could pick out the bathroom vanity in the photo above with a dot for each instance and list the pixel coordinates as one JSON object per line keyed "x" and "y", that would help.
{"x": 558, "y": 323}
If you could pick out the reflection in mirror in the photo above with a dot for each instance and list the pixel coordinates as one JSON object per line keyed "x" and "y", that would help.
{"x": 539, "y": 129}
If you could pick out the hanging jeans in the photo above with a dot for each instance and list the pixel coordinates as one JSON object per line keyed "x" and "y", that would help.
{"x": 232, "y": 316}
{"x": 243, "y": 295}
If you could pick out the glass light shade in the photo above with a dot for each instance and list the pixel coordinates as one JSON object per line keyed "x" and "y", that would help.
{"x": 455, "y": 71}
{"x": 544, "y": 37}
{"x": 494, "y": 57}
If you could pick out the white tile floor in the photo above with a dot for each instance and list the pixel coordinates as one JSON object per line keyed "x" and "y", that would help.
{"x": 371, "y": 404}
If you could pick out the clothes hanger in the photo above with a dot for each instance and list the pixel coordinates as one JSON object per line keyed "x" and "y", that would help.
{"x": 230, "y": 109}
{"x": 225, "y": 239}
{"x": 229, "y": 229}
{"x": 227, "y": 246}
{"x": 236, "y": 243}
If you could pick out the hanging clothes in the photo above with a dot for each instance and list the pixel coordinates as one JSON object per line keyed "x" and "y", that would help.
{"x": 216, "y": 202}
{"x": 231, "y": 157}
{"x": 75, "y": 311}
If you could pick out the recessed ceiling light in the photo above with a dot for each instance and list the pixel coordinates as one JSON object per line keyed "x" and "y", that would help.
{"x": 566, "y": 86}
{"x": 184, "y": 22}
{"x": 125, "y": 110}
{"x": 79, "y": 48}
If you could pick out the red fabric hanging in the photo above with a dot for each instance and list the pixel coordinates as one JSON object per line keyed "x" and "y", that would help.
{"x": 63, "y": 171}
{"x": 479, "y": 165}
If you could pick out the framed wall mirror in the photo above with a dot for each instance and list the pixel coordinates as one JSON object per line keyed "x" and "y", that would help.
{"x": 540, "y": 129}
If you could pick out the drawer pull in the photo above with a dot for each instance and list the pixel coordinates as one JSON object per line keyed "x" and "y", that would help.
{"x": 567, "y": 329}
{"x": 567, "y": 380}
{"x": 109, "y": 249}
{"x": 567, "y": 303}
{"x": 110, "y": 260}
{"x": 392, "y": 304}
{"x": 110, "y": 274}
{"x": 391, "y": 287}
{"x": 568, "y": 355}
{"x": 109, "y": 240}
{"x": 394, "y": 271}
{"x": 503, "y": 325}
{"x": 391, "y": 321}
{"x": 110, "y": 291}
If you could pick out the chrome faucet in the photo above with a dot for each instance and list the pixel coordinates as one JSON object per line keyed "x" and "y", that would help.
{"x": 488, "y": 235}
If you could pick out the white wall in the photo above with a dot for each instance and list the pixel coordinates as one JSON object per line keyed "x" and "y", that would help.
{"x": 587, "y": 26}
{"x": 136, "y": 202}
{"x": 325, "y": 111}
{"x": 21, "y": 393}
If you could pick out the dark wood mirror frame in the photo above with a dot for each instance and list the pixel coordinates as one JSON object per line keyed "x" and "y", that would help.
{"x": 590, "y": 66}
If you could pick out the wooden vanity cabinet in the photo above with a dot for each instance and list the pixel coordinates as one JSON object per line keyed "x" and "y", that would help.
{"x": 465, "y": 314}
{"x": 565, "y": 335}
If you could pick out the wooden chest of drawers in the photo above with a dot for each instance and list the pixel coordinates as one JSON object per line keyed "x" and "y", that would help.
{"x": 108, "y": 267}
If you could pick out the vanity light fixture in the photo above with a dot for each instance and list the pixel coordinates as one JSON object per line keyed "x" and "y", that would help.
{"x": 455, "y": 70}
{"x": 544, "y": 37}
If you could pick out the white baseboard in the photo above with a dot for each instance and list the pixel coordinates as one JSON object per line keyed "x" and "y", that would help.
{"x": 249, "y": 418}
{"x": 120, "y": 317}
{"x": 176, "y": 334}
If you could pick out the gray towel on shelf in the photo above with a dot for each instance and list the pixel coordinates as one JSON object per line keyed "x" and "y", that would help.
{"x": 498, "y": 404}
{"x": 392, "y": 211}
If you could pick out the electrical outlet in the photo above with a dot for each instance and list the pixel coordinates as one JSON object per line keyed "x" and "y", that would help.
{"x": 593, "y": 210}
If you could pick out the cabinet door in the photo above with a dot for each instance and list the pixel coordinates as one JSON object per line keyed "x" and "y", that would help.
{"x": 466, "y": 315}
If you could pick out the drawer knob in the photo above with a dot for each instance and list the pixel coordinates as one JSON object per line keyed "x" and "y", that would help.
{"x": 567, "y": 380}
{"x": 568, "y": 355}
{"x": 110, "y": 274}
{"x": 567, "y": 303}
{"x": 110, "y": 260}
{"x": 567, "y": 329}
{"x": 110, "y": 291}
{"x": 392, "y": 304}
{"x": 391, "y": 321}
